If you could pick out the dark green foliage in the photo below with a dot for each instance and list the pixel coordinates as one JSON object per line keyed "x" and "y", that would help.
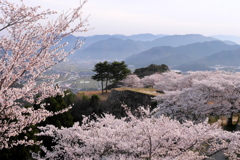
{"x": 61, "y": 120}
{"x": 58, "y": 103}
{"x": 110, "y": 72}
{"x": 54, "y": 104}
{"x": 102, "y": 72}
{"x": 87, "y": 107}
{"x": 21, "y": 152}
{"x": 153, "y": 68}
{"x": 118, "y": 71}
{"x": 94, "y": 101}
{"x": 18, "y": 153}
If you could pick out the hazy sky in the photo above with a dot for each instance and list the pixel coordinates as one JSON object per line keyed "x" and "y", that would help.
{"x": 207, "y": 17}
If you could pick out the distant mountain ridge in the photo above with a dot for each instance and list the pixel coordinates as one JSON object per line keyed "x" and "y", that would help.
{"x": 235, "y": 39}
{"x": 119, "y": 49}
{"x": 110, "y": 49}
{"x": 183, "y": 52}
{"x": 178, "y": 40}
{"x": 228, "y": 58}
{"x": 175, "y": 56}
{"x": 96, "y": 38}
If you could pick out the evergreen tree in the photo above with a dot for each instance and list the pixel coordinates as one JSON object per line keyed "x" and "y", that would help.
{"x": 113, "y": 72}
{"x": 102, "y": 73}
{"x": 58, "y": 103}
{"x": 119, "y": 71}
{"x": 151, "y": 69}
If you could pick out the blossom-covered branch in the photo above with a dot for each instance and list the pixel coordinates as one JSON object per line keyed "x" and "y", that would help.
{"x": 30, "y": 46}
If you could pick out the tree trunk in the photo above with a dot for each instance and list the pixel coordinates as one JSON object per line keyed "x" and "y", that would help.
{"x": 106, "y": 85}
{"x": 102, "y": 86}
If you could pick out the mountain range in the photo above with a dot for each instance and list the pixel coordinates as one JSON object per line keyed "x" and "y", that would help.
{"x": 235, "y": 39}
{"x": 110, "y": 49}
{"x": 184, "y": 52}
{"x": 96, "y": 38}
{"x": 118, "y": 49}
{"x": 227, "y": 59}
{"x": 175, "y": 56}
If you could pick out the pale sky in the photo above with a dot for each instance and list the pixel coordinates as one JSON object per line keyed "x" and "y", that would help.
{"x": 206, "y": 17}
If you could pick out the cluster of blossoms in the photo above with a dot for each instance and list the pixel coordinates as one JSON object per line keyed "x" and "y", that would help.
{"x": 142, "y": 137}
{"x": 168, "y": 80}
{"x": 195, "y": 95}
{"x": 200, "y": 94}
{"x": 27, "y": 49}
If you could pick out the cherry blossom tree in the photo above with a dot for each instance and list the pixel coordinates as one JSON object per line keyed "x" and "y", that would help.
{"x": 170, "y": 81}
{"x": 150, "y": 81}
{"x": 136, "y": 138}
{"x": 30, "y": 46}
{"x": 200, "y": 94}
{"x": 165, "y": 81}
{"x": 132, "y": 81}
{"x": 195, "y": 95}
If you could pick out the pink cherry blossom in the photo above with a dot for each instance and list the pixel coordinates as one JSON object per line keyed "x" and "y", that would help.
{"x": 27, "y": 50}
{"x": 136, "y": 138}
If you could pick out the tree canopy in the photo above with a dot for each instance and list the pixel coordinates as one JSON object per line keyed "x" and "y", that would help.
{"x": 102, "y": 70}
{"x": 151, "y": 69}
{"x": 138, "y": 138}
{"x": 110, "y": 72}
{"x": 28, "y": 48}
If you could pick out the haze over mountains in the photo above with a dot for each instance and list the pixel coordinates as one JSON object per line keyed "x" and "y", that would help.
{"x": 184, "y": 52}
{"x": 174, "y": 56}
{"x": 114, "y": 48}
{"x": 93, "y": 39}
